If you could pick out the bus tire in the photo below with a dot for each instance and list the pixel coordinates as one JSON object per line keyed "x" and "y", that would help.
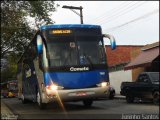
{"x": 23, "y": 99}
{"x": 87, "y": 103}
{"x": 39, "y": 102}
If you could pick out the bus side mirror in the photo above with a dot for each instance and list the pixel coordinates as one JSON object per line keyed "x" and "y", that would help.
{"x": 112, "y": 40}
{"x": 39, "y": 44}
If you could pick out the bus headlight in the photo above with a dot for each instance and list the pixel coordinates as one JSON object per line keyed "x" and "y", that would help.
{"x": 103, "y": 84}
{"x": 54, "y": 87}
{"x": 51, "y": 89}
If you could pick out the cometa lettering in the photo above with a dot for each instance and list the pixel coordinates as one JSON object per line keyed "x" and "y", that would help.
{"x": 79, "y": 69}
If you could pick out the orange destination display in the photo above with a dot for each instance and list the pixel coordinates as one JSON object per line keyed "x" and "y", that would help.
{"x": 60, "y": 32}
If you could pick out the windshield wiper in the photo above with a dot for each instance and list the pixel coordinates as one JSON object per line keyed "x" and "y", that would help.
{"x": 88, "y": 59}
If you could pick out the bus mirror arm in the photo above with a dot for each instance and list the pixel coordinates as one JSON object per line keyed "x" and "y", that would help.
{"x": 112, "y": 40}
{"x": 39, "y": 44}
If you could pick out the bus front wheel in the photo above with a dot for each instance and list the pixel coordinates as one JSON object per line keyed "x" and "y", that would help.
{"x": 39, "y": 101}
{"x": 87, "y": 103}
{"x": 23, "y": 99}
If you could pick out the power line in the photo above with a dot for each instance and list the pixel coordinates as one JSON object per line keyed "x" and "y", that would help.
{"x": 123, "y": 13}
{"x": 119, "y": 11}
{"x": 131, "y": 25}
{"x": 134, "y": 20}
{"x": 111, "y": 11}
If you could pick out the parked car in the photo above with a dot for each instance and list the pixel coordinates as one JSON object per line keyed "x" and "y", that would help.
{"x": 9, "y": 89}
{"x": 4, "y": 93}
{"x": 145, "y": 87}
{"x": 8, "y": 94}
{"x": 112, "y": 92}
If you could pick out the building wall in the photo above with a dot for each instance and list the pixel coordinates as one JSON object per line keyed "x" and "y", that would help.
{"x": 117, "y": 59}
{"x": 117, "y": 77}
{"x": 154, "y": 66}
{"x": 136, "y": 71}
{"x": 122, "y": 54}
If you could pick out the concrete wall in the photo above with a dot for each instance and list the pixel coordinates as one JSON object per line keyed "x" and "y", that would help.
{"x": 119, "y": 76}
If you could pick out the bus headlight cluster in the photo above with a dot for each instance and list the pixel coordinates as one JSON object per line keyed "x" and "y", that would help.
{"x": 52, "y": 89}
{"x": 103, "y": 84}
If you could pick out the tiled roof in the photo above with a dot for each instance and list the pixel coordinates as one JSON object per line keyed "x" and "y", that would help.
{"x": 149, "y": 46}
{"x": 145, "y": 58}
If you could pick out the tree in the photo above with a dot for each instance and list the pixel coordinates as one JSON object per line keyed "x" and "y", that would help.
{"x": 9, "y": 73}
{"x": 15, "y": 30}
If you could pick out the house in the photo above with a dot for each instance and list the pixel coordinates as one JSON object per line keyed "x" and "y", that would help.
{"x": 146, "y": 61}
{"x": 117, "y": 59}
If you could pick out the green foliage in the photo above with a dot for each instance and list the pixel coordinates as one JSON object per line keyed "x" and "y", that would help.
{"x": 10, "y": 70}
{"x": 15, "y": 30}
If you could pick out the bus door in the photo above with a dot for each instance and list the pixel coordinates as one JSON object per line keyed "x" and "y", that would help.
{"x": 33, "y": 84}
{"x": 30, "y": 81}
{"x": 25, "y": 88}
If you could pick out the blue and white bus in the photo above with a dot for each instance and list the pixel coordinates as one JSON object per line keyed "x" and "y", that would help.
{"x": 64, "y": 63}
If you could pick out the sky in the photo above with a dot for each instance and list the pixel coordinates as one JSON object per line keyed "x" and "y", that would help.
{"x": 130, "y": 22}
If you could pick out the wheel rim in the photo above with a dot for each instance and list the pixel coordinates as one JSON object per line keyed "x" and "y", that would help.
{"x": 38, "y": 99}
{"x": 22, "y": 96}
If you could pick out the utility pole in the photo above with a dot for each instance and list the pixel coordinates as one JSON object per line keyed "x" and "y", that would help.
{"x": 76, "y": 8}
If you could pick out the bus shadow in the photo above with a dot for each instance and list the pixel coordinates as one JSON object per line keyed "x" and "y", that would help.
{"x": 70, "y": 106}
{"x": 58, "y": 107}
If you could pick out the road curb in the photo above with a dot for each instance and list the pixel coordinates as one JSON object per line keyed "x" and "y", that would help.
{"x": 6, "y": 112}
{"x": 119, "y": 97}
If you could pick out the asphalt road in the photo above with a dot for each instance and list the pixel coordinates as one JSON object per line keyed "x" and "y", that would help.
{"x": 102, "y": 109}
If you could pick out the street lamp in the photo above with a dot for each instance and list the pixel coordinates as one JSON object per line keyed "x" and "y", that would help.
{"x": 76, "y": 8}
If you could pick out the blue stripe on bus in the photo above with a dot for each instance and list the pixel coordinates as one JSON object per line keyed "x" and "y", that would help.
{"x": 69, "y": 26}
{"x": 39, "y": 48}
{"x": 76, "y": 79}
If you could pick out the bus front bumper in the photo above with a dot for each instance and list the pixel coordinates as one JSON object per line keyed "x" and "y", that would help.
{"x": 78, "y": 94}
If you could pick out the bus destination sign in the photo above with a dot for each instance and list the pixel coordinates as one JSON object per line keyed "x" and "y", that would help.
{"x": 60, "y": 32}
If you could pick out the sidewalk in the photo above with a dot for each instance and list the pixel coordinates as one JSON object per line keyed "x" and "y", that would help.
{"x": 118, "y": 96}
{"x": 6, "y": 113}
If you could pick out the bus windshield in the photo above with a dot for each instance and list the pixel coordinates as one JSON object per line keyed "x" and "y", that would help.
{"x": 91, "y": 50}
{"x": 61, "y": 53}
{"x": 68, "y": 51}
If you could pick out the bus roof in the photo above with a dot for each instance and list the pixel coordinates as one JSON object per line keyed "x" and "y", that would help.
{"x": 69, "y": 26}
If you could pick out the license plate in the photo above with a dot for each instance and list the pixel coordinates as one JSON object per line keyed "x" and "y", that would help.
{"x": 81, "y": 93}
